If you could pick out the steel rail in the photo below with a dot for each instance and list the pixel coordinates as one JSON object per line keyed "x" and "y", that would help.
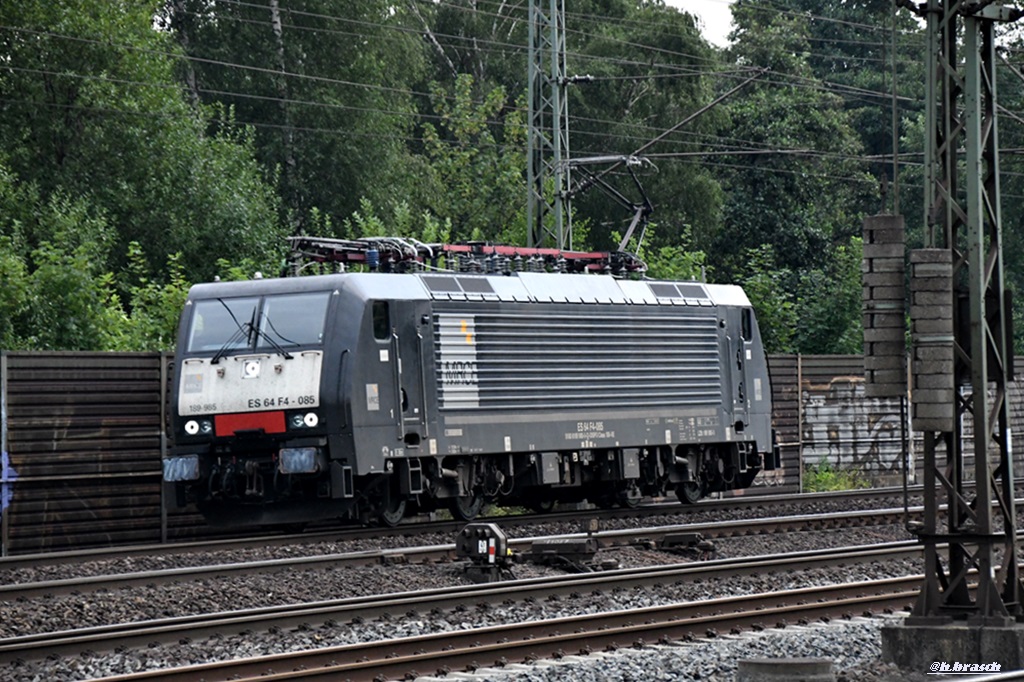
{"x": 105, "y": 638}
{"x": 528, "y": 641}
{"x": 446, "y": 552}
{"x": 417, "y": 526}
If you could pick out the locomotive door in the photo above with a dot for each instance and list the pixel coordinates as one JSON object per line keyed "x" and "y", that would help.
{"x": 740, "y": 333}
{"x": 408, "y": 344}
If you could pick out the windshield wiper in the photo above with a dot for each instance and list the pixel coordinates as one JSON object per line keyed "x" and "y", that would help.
{"x": 274, "y": 344}
{"x": 243, "y": 330}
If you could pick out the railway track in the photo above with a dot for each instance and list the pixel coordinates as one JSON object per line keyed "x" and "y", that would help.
{"x": 528, "y": 641}
{"x": 311, "y": 615}
{"x": 81, "y": 643}
{"x": 652, "y": 537}
{"x": 419, "y": 526}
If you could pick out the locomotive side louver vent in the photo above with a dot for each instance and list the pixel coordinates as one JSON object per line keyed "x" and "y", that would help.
{"x": 572, "y": 357}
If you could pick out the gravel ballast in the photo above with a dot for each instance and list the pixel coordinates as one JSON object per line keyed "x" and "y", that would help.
{"x": 853, "y": 645}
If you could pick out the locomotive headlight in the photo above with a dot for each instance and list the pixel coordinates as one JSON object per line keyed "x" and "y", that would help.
{"x": 308, "y": 420}
{"x": 194, "y": 427}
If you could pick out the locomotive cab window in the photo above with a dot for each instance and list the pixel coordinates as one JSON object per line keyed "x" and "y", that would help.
{"x": 222, "y": 323}
{"x": 271, "y": 322}
{"x": 747, "y": 324}
{"x": 293, "y": 320}
{"x": 381, "y": 321}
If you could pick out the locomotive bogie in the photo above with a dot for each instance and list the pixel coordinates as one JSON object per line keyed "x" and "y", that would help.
{"x": 400, "y": 392}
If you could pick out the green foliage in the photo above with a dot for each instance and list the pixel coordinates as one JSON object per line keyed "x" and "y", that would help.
{"x": 768, "y": 287}
{"x": 797, "y": 202}
{"x": 652, "y": 70}
{"x": 830, "y": 302}
{"x": 367, "y": 222}
{"x": 329, "y": 87}
{"x": 1011, "y": 137}
{"x": 823, "y": 477}
{"x": 14, "y": 296}
{"x": 61, "y": 296}
{"x": 476, "y": 162}
{"x": 817, "y": 311}
{"x": 93, "y": 114}
{"x": 152, "y": 320}
{"x": 670, "y": 262}
{"x": 67, "y": 284}
{"x": 244, "y": 270}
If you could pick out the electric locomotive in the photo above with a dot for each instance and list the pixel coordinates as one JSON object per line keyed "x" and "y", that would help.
{"x": 367, "y": 396}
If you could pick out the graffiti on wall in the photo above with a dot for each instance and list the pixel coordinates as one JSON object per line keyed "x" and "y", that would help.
{"x": 7, "y": 478}
{"x": 848, "y": 430}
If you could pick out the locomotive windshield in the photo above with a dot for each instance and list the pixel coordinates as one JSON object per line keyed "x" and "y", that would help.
{"x": 270, "y": 322}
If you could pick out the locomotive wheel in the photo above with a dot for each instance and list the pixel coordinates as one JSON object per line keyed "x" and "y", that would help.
{"x": 466, "y": 508}
{"x": 689, "y": 493}
{"x": 393, "y": 513}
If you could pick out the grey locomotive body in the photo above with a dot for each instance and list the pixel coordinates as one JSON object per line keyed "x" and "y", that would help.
{"x": 366, "y": 395}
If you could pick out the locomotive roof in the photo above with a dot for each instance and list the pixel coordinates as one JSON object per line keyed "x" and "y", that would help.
{"x": 519, "y": 286}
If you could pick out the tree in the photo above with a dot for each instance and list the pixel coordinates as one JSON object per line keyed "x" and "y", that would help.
{"x": 326, "y": 87}
{"x": 796, "y": 183}
{"x": 476, "y": 160}
{"x": 14, "y": 295}
{"x": 652, "y": 70}
{"x": 150, "y": 319}
{"x": 851, "y": 50}
{"x": 829, "y": 304}
{"x": 768, "y": 288}
{"x": 90, "y": 111}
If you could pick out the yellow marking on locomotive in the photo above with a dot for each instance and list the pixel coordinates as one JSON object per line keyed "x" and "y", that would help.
{"x": 469, "y": 334}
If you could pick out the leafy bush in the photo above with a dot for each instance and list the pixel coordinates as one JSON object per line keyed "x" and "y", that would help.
{"x": 823, "y": 477}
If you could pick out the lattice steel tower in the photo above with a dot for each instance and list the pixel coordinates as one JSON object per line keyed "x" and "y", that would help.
{"x": 961, "y": 329}
{"x": 549, "y": 220}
